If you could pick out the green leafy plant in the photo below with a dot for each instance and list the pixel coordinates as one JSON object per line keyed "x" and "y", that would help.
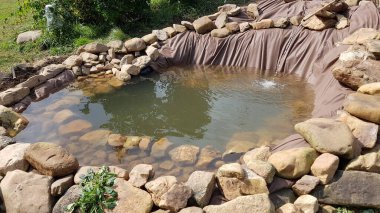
{"x": 97, "y": 192}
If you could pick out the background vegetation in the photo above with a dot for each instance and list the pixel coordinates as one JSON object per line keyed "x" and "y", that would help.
{"x": 84, "y": 21}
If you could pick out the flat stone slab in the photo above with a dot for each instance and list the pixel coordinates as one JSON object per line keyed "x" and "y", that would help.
{"x": 351, "y": 188}
{"x": 245, "y": 204}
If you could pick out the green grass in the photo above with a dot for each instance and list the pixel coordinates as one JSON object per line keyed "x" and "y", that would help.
{"x": 10, "y": 27}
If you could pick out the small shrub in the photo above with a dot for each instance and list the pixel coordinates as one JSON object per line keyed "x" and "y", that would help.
{"x": 97, "y": 192}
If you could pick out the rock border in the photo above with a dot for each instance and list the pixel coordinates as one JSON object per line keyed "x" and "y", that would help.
{"x": 261, "y": 182}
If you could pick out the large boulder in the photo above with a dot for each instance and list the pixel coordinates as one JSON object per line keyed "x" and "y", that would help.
{"x": 293, "y": 163}
{"x": 258, "y": 203}
{"x": 131, "y": 199}
{"x": 12, "y": 158}
{"x": 357, "y": 72}
{"x": 12, "y": 121}
{"x": 26, "y": 192}
{"x": 202, "y": 184}
{"x": 135, "y": 44}
{"x": 13, "y": 95}
{"x": 95, "y": 48}
{"x": 185, "y": 154}
{"x": 52, "y": 70}
{"x": 364, "y": 132}
{"x": 364, "y": 106}
{"x": 351, "y": 188}
{"x": 203, "y": 25}
{"x": 51, "y": 159}
{"x": 32, "y": 82}
{"x": 71, "y": 195}
{"x": 28, "y": 36}
{"x": 327, "y": 136}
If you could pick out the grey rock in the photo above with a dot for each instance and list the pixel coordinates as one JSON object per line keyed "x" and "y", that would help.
{"x": 60, "y": 186}
{"x": 71, "y": 195}
{"x": 351, "y": 188}
{"x": 5, "y": 141}
{"x": 202, "y": 184}
{"x": 26, "y": 192}
{"x": 12, "y": 158}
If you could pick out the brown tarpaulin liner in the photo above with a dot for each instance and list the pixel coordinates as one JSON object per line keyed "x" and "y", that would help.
{"x": 295, "y": 50}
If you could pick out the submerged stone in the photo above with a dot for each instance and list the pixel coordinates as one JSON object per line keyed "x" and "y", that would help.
{"x": 74, "y": 127}
{"x": 186, "y": 154}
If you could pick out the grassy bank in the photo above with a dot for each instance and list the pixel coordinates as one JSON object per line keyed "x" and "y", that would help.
{"x": 161, "y": 13}
{"x": 10, "y": 27}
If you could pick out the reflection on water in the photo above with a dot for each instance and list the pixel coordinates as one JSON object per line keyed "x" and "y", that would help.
{"x": 231, "y": 109}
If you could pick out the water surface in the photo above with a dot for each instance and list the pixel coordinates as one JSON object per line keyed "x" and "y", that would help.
{"x": 228, "y": 108}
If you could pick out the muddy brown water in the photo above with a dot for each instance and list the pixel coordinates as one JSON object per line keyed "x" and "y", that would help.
{"x": 224, "y": 108}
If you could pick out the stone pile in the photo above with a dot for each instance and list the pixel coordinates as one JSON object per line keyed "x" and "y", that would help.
{"x": 326, "y": 16}
{"x": 340, "y": 167}
{"x": 359, "y": 64}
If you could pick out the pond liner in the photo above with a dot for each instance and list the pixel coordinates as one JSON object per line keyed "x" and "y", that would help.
{"x": 294, "y": 50}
